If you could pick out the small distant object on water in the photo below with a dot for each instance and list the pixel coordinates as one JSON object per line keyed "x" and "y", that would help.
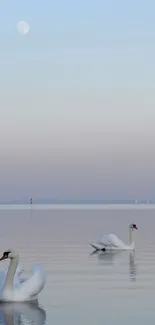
{"x": 23, "y": 28}
{"x": 31, "y": 201}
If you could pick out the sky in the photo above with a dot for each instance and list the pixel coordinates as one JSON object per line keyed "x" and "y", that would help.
{"x": 77, "y": 100}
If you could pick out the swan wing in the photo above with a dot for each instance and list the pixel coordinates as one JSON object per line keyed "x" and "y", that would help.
{"x": 106, "y": 240}
{"x": 32, "y": 286}
{"x": 111, "y": 240}
{"x": 17, "y": 275}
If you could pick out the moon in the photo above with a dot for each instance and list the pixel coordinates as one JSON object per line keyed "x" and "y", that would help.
{"x": 23, "y": 28}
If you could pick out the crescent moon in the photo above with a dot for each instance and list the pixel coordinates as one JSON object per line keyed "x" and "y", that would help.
{"x": 23, "y": 27}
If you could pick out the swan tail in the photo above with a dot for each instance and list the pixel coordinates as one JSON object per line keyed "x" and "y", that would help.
{"x": 97, "y": 246}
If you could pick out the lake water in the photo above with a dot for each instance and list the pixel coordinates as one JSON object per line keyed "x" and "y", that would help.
{"x": 82, "y": 288}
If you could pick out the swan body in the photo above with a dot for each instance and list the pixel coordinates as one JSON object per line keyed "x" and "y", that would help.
{"x": 12, "y": 289}
{"x": 112, "y": 242}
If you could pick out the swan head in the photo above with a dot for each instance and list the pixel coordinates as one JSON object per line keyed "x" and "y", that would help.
{"x": 133, "y": 226}
{"x": 9, "y": 254}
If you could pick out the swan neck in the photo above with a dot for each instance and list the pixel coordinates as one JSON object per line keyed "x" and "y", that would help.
{"x": 10, "y": 274}
{"x": 131, "y": 239}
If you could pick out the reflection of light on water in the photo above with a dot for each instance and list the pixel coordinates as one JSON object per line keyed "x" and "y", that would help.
{"x": 23, "y": 320}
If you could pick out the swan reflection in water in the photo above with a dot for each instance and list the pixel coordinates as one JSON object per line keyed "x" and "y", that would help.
{"x": 22, "y": 314}
{"x": 108, "y": 258}
{"x": 132, "y": 269}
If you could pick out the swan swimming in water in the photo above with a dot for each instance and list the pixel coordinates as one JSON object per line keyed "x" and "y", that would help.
{"x": 12, "y": 289}
{"x": 112, "y": 242}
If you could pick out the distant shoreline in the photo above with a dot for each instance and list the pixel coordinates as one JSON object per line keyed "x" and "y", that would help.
{"x": 78, "y": 202}
{"x": 77, "y": 206}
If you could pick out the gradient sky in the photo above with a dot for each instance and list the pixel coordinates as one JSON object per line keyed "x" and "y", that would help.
{"x": 77, "y": 99}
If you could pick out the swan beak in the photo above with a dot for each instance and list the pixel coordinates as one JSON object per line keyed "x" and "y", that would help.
{"x": 3, "y": 258}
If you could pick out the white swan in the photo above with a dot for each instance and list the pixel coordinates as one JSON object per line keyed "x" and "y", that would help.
{"x": 12, "y": 290}
{"x": 112, "y": 242}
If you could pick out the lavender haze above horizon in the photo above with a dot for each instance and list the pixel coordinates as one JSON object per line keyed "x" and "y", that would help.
{"x": 77, "y": 100}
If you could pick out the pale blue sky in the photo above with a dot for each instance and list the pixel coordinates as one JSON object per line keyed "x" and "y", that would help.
{"x": 77, "y": 98}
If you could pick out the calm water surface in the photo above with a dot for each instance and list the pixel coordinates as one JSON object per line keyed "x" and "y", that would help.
{"x": 82, "y": 288}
